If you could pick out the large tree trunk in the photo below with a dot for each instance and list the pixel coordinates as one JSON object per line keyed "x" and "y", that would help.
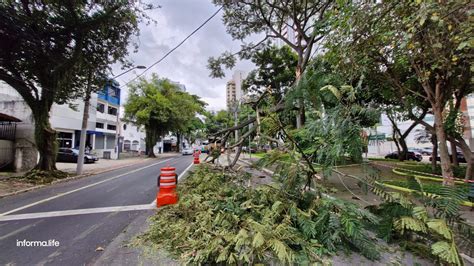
{"x": 446, "y": 168}
{"x": 434, "y": 153}
{"x": 45, "y": 138}
{"x": 150, "y": 142}
{"x": 468, "y": 155}
{"x": 404, "y": 149}
{"x": 178, "y": 142}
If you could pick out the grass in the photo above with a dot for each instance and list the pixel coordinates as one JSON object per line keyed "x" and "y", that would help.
{"x": 259, "y": 154}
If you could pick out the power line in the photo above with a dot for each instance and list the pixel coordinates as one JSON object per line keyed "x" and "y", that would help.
{"x": 176, "y": 47}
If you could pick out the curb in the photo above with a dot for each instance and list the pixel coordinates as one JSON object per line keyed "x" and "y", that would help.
{"x": 65, "y": 180}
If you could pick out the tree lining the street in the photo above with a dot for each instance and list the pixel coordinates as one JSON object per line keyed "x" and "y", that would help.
{"x": 161, "y": 107}
{"x": 432, "y": 42}
{"x": 50, "y": 50}
{"x": 308, "y": 20}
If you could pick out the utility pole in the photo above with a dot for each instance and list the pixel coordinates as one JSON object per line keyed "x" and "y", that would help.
{"x": 85, "y": 118}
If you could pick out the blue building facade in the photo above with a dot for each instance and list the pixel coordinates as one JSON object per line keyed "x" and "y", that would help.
{"x": 110, "y": 93}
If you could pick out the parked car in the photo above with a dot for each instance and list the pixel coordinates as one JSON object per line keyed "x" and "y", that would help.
{"x": 187, "y": 151}
{"x": 71, "y": 155}
{"x": 252, "y": 149}
{"x": 416, "y": 150}
{"x": 409, "y": 156}
{"x": 427, "y": 151}
{"x": 459, "y": 156}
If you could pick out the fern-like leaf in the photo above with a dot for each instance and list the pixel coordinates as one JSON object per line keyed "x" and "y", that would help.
{"x": 446, "y": 251}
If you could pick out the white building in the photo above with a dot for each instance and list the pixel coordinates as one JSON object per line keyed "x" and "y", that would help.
{"x": 234, "y": 91}
{"x": 133, "y": 138}
{"x": 67, "y": 121}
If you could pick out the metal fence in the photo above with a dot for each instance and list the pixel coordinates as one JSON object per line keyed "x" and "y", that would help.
{"x": 7, "y": 130}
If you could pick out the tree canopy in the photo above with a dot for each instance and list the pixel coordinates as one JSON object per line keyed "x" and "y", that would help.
{"x": 50, "y": 48}
{"x": 161, "y": 107}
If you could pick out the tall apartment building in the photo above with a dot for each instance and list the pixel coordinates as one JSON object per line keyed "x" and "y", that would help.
{"x": 231, "y": 94}
{"x": 234, "y": 90}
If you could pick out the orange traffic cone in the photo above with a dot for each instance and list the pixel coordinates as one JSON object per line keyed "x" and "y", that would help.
{"x": 167, "y": 187}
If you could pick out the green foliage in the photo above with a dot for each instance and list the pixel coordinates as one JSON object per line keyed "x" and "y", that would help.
{"x": 219, "y": 220}
{"x": 158, "y": 105}
{"x": 215, "y": 121}
{"x": 49, "y": 48}
{"x": 403, "y": 217}
{"x": 275, "y": 70}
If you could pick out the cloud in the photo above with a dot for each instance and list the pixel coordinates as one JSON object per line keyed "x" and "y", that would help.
{"x": 174, "y": 21}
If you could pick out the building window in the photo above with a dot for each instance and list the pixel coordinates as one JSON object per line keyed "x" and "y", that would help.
{"x": 99, "y": 125}
{"x": 124, "y": 126}
{"x": 111, "y": 127}
{"x": 126, "y": 145}
{"x": 65, "y": 140}
{"x": 100, "y": 107}
{"x": 112, "y": 111}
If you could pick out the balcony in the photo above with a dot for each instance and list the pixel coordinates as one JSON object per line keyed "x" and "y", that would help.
{"x": 110, "y": 93}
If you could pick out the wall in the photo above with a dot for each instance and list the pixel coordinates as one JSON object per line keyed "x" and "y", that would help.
{"x": 11, "y": 103}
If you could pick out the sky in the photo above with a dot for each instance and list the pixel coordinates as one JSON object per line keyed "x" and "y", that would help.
{"x": 187, "y": 65}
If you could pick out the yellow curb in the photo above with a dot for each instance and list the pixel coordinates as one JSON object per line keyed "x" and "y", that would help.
{"x": 404, "y": 189}
{"x": 394, "y": 170}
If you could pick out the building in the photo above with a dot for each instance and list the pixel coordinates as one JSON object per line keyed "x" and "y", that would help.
{"x": 234, "y": 91}
{"x": 66, "y": 119}
{"x": 231, "y": 94}
{"x": 104, "y": 138}
{"x": 133, "y": 138}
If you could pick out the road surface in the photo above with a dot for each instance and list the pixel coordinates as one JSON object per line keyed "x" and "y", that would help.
{"x": 82, "y": 215}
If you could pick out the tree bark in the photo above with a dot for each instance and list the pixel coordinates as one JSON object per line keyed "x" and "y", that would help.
{"x": 178, "y": 142}
{"x": 434, "y": 153}
{"x": 150, "y": 141}
{"x": 301, "y": 112}
{"x": 45, "y": 138}
{"x": 403, "y": 145}
{"x": 446, "y": 168}
{"x": 454, "y": 157}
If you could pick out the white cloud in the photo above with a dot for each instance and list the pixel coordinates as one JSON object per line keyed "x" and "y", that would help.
{"x": 175, "y": 20}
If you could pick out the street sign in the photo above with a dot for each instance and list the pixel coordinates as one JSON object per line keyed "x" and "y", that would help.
{"x": 377, "y": 137}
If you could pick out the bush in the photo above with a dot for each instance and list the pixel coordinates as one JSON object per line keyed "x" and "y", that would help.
{"x": 218, "y": 220}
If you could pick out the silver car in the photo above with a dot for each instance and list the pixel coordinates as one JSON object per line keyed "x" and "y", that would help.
{"x": 187, "y": 151}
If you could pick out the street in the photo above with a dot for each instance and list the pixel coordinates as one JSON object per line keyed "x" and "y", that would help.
{"x": 83, "y": 215}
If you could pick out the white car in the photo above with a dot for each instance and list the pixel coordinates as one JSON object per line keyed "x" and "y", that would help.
{"x": 187, "y": 151}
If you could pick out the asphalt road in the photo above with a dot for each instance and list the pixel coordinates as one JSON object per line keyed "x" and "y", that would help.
{"x": 78, "y": 214}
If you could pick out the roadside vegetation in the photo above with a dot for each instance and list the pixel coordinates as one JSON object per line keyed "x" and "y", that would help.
{"x": 403, "y": 58}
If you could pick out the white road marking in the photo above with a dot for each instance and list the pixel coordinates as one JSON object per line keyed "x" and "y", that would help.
{"x": 179, "y": 177}
{"x": 19, "y": 230}
{"x": 39, "y": 215}
{"x": 79, "y": 189}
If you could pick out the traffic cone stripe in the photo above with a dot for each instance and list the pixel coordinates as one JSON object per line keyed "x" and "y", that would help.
{"x": 167, "y": 187}
{"x": 166, "y": 178}
{"x": 168, "y": 184}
